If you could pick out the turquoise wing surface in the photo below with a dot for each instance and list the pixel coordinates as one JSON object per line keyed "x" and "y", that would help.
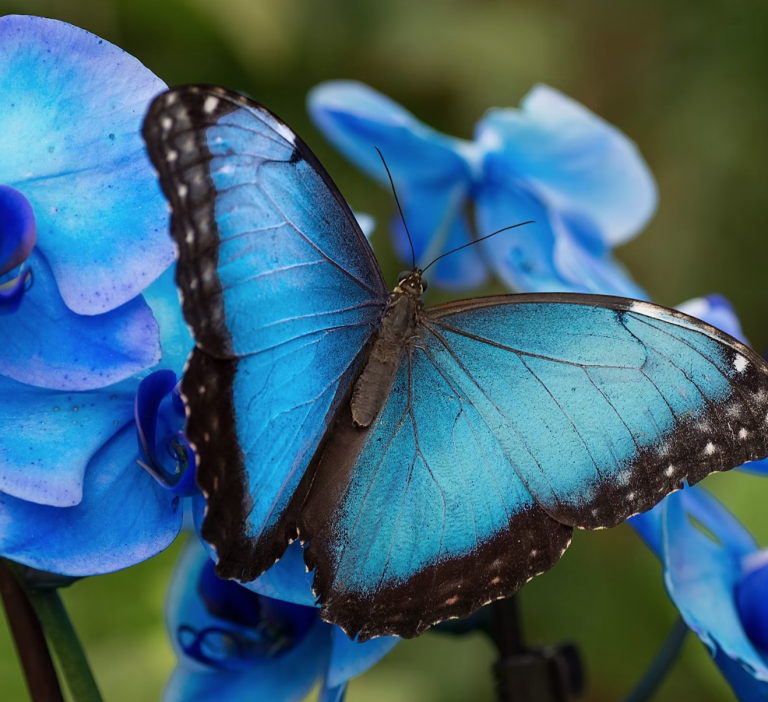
{"x": 282, "y": 292}
{"x": 511, "y": 421}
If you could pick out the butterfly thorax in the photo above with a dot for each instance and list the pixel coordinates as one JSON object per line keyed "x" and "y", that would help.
{"x": 398, "y": 326}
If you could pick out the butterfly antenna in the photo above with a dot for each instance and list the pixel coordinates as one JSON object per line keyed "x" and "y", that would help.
{"x": 402, "y": 216}
{"x": 477, "y": 241}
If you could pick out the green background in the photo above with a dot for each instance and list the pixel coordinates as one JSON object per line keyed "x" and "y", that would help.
{"x": 686, "y": 80}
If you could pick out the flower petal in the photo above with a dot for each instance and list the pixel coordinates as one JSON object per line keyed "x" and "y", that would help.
{"x": 175, "y": 340}
{"x": 700, "y": 575}
{"x": 46, "y": 344}
{"x": 432, "y": 173}
{"x": 574, "y": 161}
{"x": 49, "y": 438}
{"x": 287, "y": 580}
{"x": 287, "y": 676}
{"x": 716, "y": 310}
{"x": 349, "y": 658}
{"x": 124, "y": 518}
{"x": 332, "y": 694}
{"x": 70, "y": 142}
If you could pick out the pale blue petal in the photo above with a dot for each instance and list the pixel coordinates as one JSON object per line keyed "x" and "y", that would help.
{"x": 756, "y": 467}
{"x": 287, "y": 580}
{"x": 124, "y": 518}
{"x": 356, "y": 119}
{"x": 46, "y": 344}
{"x": 49, "y": 437}
{"x": 349, "y": 658}
{"x": 437, "y": 221}
{"x": 433, "y": 174}
{"x": 70, "y": 141}
{"x": 367, "y": 223}
{"x": 175, "y": 340}
{"x": 574, "y": 161}
{"x": 715, "y": 310}
{"x": 700, "y": 575}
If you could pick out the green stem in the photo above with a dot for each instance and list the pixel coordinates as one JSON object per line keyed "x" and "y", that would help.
{"x": 63, "y": 639}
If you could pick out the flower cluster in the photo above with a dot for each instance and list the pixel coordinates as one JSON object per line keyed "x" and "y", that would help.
{"x": 94, "y": 463}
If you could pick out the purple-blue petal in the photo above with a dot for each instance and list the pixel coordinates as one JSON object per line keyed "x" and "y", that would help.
{"x": 700, "y": 575}
{"x": 574, "y": 161}
{"x": 49, "y": 438}
{"x": 124, "y": 518}
{"x": 752, "y": 599}
{"x": 287, "y": 676}
{"x": 46, "y": 344}
{"x": 70, "y": 141}
{"x": 746, "y": 687}
{"x": 350, "y": 658}
{"x": 18, "y": 231}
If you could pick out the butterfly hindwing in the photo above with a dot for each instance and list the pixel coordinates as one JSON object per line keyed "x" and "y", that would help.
{"x": 512, "y": 420}
{"x": 282, "y": 292}
{"x": 605, "y": 405}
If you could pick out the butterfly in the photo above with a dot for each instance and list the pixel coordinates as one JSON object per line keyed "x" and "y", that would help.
{"x": 429, "y": 459}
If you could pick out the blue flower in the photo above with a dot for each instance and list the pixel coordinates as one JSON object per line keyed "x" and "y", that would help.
{"x": 718, "y": 578}
{"x": 72, "y": 162}
{"x": 581, "y": 181}
{"x": 80, "y": 343}
{"x": 233, "y": 644}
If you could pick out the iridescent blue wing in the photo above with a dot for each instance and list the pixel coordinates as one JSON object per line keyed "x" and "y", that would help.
{"x": 282, "y": 292}
{"x": 512, "y": 420}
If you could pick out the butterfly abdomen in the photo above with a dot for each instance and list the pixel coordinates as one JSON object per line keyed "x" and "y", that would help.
{"x": 375, "y": 382}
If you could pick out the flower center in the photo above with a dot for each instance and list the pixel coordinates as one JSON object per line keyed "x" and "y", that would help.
{"x": 18, "y": 234}
{"x": 251, "y": 627}
{"x": 165, "y": 453}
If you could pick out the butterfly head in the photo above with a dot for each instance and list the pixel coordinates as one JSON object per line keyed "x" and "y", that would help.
{"x": 411, "y": 283}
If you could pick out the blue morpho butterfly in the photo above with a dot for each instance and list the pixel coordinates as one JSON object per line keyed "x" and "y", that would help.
{"x": 430, "y": 460}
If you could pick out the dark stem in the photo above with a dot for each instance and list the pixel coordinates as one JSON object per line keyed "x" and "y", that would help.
{"x": 661, "y": 664}
{"x": 506, "y": 627}
{"x": 32, "y": 648}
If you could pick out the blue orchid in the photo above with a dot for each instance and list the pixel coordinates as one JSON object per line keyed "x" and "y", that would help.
{"x": 718, "y": 579}
{"x": 237, "y": 645}
{"x": 80, "y": 344}
{"x": 582, "y": 182}
{"x": 72, "y": 155}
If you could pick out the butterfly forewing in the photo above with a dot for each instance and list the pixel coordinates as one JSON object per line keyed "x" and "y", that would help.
{"x": 282, "y": 292}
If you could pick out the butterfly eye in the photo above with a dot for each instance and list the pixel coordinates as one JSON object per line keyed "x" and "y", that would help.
{"x": 403, "y": 276}
{"x": 424, "y": 285}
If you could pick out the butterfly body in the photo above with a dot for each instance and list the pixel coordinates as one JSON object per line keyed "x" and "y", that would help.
{"x": 398, "y": 327}
{"x": 430, "y": 460}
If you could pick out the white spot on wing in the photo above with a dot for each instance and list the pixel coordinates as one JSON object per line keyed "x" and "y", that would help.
{"x": 286, "y": 133}
{"x": 183, "y": 190}
{"x": 210, "y": 104}
{"x": 709, "y": 449}
{"x": 743, "y": 433}
{"x": 669, "y": 471}
{"x": 740, "y": 363}
{"x": 166, "y": 123}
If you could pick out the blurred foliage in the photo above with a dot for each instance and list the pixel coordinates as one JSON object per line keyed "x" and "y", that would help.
{"x": 685, "y": 80}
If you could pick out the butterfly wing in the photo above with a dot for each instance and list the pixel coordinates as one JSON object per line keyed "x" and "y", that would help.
{"x": 512, "y": 420}
{"x": 282, "y": 292}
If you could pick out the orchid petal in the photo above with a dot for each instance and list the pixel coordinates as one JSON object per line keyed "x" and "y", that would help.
{"x": 574, "y": 161}
{"x": 350, "y": 658}
{"x": 70, "y": 142}
{"x": 79, "y": 541}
